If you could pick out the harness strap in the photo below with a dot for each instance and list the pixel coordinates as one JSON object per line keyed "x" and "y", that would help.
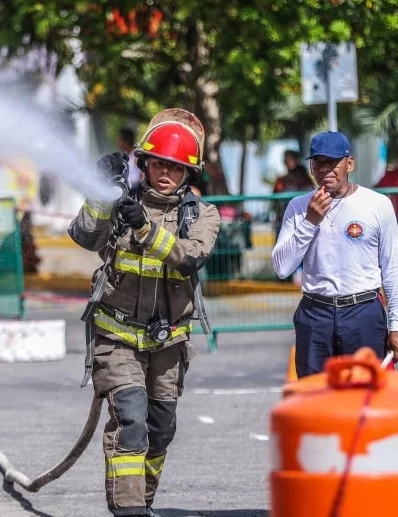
{"x": 190, "y": 203}
{"x": 199, "y": 304}
{"x": 89, "y": 313}
{"x": 98, "y": 289}
{"x": 90, "y": 348}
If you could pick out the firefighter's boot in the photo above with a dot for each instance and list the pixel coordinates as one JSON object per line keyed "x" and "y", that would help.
{"x": 151, "y": 513}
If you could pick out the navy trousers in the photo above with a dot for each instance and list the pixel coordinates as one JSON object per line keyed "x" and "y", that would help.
{"x": 324, "y": 331}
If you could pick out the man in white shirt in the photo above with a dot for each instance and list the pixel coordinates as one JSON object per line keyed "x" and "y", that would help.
{"x": 347, "y": 237}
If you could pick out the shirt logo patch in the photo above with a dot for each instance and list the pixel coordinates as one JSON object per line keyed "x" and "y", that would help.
{"x": 354, "y": 230}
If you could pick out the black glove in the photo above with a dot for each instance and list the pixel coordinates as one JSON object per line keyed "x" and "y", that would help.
{"x": 112, "y": 165}
{"x": 133, "y": 214}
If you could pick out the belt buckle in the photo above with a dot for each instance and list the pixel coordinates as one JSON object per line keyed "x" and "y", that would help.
{"x": 119, "y": 316}
{"x": 350, "y": 297}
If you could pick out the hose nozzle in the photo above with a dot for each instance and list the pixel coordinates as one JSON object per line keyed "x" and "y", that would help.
{"x": 121, "y": 188}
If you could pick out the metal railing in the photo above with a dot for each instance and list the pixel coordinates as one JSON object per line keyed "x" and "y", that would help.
{"x": 242, "y": 292}
{"x": 11, "y": 267}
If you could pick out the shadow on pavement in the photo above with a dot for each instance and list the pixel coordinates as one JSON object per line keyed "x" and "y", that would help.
{"x": 25, "y": 504}
{"x": 173, "y": 512}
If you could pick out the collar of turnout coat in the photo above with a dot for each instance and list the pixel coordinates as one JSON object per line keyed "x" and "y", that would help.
{"x": 152, "y": 197}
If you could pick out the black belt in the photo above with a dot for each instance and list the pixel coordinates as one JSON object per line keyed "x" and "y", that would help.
{"x": 123, "y": 318}
{"x": 120, "y": 316}
{"x": 344, "y": 301}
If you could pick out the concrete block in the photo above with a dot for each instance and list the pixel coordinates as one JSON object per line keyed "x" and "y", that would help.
{"x": 41, "y": 340}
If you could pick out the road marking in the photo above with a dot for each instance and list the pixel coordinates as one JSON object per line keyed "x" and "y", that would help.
{"x": 237, "y": 391}
{"x": 261, "y": 437}
{"x": 206, "y": 419}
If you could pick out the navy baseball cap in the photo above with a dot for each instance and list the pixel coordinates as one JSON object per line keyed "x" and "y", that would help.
{"x": 331, "y": 144}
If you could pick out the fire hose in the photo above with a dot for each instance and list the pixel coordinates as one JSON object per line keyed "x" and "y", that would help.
{"x": 12, "y": 475}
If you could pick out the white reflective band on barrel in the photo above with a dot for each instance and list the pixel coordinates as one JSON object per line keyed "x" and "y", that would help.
{"x": 322, "y": 453}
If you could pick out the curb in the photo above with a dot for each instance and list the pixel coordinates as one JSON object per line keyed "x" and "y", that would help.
{"x": 242, "y": 287}
{"x": 82, "y": 284}
{"x": 54, "y": 282}
{"x": 36, "y": 340}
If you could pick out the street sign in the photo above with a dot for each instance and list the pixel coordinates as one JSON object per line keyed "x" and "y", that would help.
{"x": 326, "y": 62}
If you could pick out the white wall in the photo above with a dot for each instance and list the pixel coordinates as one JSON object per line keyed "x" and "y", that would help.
{"x": 268, "y": 161}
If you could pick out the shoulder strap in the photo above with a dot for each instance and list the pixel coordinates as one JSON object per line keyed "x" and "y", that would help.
{"x": 188, "y": 214}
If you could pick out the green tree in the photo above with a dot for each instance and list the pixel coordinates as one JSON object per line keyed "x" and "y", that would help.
{"x": 224, "y": 62}
{"x": 233, "y": 64}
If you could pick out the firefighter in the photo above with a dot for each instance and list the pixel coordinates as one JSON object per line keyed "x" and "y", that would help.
{"x": 141, "y": 323}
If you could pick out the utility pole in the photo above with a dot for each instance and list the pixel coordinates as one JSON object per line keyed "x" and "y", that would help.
{"x": 324, "y": 70}
{"x": 329, "y": 54}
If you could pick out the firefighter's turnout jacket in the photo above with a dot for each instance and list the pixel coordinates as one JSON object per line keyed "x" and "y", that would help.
{"x": 136, "y": 289}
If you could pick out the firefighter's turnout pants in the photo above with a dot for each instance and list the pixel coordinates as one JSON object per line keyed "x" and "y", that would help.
{"x": 142, "y": 390}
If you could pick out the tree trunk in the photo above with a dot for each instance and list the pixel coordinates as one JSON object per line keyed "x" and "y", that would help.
{"x": 99, "y": 141}
{"x": 207, "y": 109}
{"x": 242, "y": 168}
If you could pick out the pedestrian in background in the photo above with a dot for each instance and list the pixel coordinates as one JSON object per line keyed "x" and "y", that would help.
{"x": 125, "y": 143}
{"x": 347, "y": 237}
{"x": 390, "y": 179}
{"x": 296, "y": 179}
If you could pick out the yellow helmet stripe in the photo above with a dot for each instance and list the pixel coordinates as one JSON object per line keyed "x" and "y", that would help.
{"x": 147, "y": 146}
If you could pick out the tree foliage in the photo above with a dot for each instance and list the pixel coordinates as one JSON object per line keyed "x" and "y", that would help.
{"x": 234, "y": 64}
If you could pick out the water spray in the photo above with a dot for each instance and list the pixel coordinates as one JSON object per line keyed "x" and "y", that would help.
{"x": 44, "y": 136}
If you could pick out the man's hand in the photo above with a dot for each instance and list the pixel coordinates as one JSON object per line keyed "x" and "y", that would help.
{"x": 112, "y": 165}
{"x": 318, "y": 207}
{"x": 393, "y": 343}
{"x": 133, "y": 214}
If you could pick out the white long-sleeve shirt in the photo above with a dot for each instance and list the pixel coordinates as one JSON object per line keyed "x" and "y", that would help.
{"x": 354, "y": 249}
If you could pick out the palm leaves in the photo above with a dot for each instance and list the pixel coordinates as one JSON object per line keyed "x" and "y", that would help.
{"x": 378, "y": 112}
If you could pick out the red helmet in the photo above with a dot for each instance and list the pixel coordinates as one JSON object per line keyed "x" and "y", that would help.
{"x": 173, "y": 135}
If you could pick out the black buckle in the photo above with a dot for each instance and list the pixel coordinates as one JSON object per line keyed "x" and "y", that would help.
{"x": 353, "y": 299}
{"x": 346, "y": 301}
{"x": 119, "y": 316}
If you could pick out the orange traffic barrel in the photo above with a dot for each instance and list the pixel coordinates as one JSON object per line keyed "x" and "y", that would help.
{"x": 335, "y": 443}
{"x": 320, "y": 380}
{"x": 291, "y": 374}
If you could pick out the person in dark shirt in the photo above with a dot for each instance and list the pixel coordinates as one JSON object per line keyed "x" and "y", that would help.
{"x": 296, "y": 179}
{"x": 390, "y": 179}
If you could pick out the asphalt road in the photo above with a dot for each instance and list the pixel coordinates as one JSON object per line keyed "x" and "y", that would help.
{"x": 218, "y": 463}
